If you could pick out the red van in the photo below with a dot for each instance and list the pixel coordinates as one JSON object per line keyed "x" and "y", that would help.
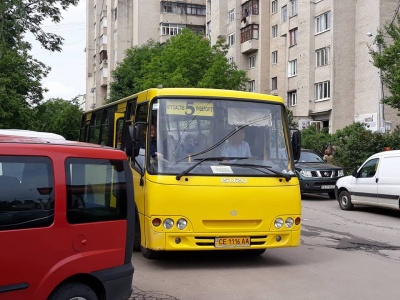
{"x": 66, "y": 220}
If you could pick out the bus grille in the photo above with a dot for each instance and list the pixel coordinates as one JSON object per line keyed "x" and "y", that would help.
{"x": 210, "y": 240}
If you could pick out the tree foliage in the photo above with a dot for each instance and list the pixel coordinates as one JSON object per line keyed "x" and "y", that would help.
{"x": 59, "y": 116}
{"x": 351, "y": 145}
{"x": 317, "y": 140}
{"x": 22, "y": 16}
{"x": 387, "y": 59}
{"x": 127, "y": 76}
{"x": 185, "y": 60}
{"x": 20, "y": 77}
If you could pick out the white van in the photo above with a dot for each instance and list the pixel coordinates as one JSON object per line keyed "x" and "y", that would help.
{"x": 376, "y": 183}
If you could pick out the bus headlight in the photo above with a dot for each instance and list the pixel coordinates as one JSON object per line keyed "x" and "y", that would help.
{"x": 181, "y": 224}
{"x": 289, "y": 222}
{"x": 278, "y": 223}
{"x": 168, "y": 223}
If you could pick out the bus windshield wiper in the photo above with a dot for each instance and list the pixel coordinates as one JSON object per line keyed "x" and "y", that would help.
{"x": 200, "y": 160}
{"x": 269, "y": 168}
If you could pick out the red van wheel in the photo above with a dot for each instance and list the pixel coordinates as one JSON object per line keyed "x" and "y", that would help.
{"x": 74, "y": 290}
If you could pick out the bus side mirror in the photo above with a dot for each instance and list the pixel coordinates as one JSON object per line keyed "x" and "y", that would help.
{"x": 296, "y": 144}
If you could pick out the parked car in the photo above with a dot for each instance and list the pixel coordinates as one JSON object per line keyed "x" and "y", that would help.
{"x": 315, "y": 175}
{"x": 376, "y": 183}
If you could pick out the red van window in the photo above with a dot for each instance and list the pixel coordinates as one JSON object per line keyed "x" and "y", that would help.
{"x": 26, "y": 193}
{"x": 96, "y": 190}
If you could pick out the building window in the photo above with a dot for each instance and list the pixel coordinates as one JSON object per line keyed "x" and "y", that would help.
{"x": 252, "y": 61}
{"x": 284, "y": 13}
{"x": 274, "y": 6}
{"x": 104, "y": 22}
{"x": 293, "y": 7}
{"x": 231, "y": 16}
{"x": 208, "y": 28}
{"x": 250, "y": 8}
{"x": 322, "y": 91}
{"x": 274, "y": 83}
{"x": 231, "y": 39}
{"x": 166, "y": 7}
{"x": 274, "y": 31}
{"x": 178, "y": 8}
{"x": 104, "y": 39}
{"x": 292, "y": 68}
{"x": 323, "y": 22}
{"x": 322, "y": 56}
{"x": 171, "y": 29}
{"x": 274, "y": 57}
{"x": 292, "y": 98}
{"x": 252, "y": 86}
{"x": 249, "y": 32}
{"x": 293, "y": 37}
{"x": 231, "y": 60}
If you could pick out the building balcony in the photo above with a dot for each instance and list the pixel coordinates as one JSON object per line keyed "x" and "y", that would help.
{"x": 252, "y": 19}
{"x": 103, "y": 47}
{"x": 249, "y": 46}
{"x": 104, "y": 81}
{"x": 104, "y": 64}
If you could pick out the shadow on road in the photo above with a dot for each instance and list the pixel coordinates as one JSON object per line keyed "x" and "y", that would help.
{"x": 316, "y": 197}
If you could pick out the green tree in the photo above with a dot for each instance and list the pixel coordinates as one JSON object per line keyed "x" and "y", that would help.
{"x": 292, "y": 123}
{"x": 387, "y": 59}
{"x": 354, "y": 144}
{"x": 20, "y": 77}
{"x": 129, "y": 72}
{"x": 59, "y": 116}
{"x": 317, "y": 140}
{"x": 186, "y": 60}
{"x": 20, "y": 88}
{"x": 21, "y": 16}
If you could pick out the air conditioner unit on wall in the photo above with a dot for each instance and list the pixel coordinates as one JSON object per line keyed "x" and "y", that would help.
{"x": 317, "y": 124}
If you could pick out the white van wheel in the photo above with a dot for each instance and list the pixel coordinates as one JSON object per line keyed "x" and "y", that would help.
{"x": 345, "y": 200}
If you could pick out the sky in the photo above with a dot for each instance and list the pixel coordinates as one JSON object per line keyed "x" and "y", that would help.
{"x": 67, "y": 78}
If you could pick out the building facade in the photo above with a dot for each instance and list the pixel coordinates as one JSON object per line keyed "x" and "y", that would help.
{"x": 314, "y": 54}
{"x": 113, "y": 26}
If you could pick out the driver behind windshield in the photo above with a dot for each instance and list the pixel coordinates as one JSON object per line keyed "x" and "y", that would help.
{"x": 236, "y": 146}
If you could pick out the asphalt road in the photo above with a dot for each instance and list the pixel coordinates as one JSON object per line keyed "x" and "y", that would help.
{"x": 343, "y": 255}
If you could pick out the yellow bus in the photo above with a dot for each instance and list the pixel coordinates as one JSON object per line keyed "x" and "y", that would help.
{"x": 213, "y": 169}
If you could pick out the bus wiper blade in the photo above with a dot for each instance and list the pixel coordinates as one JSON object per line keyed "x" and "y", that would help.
{"x": 269, "y": 168}
{"x": 200, "y": 160}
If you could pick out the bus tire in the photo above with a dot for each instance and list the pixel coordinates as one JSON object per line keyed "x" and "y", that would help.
{"x": 73, "y": 290}
{"x": 150, "y": 254}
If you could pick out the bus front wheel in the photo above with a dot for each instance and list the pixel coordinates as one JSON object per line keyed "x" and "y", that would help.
{"x": 73, "y": 290}
{"x": 150, "y": 254}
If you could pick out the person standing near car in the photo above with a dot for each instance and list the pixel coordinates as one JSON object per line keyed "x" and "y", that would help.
{"x": 328, "y": 157}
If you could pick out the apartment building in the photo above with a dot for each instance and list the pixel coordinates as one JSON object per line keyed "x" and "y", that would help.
{"x": 113, "y": 26}
{"x": 314, "y": 53}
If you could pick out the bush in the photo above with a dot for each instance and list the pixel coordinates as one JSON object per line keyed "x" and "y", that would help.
{"x": 351, "y": 145}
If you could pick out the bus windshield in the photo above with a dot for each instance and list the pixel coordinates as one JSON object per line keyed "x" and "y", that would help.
{"x": 218, "y": 136}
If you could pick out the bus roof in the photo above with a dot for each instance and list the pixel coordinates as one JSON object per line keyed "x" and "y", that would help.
{"x": 193, "y": 92}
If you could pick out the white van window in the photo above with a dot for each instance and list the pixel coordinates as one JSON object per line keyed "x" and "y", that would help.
{"x": 390, "y": 167}
{"x": 369, "y": 168}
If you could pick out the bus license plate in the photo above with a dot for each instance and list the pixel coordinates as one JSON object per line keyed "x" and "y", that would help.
{"x": 231, "y": 242}
{"x": 328, "y": 187}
